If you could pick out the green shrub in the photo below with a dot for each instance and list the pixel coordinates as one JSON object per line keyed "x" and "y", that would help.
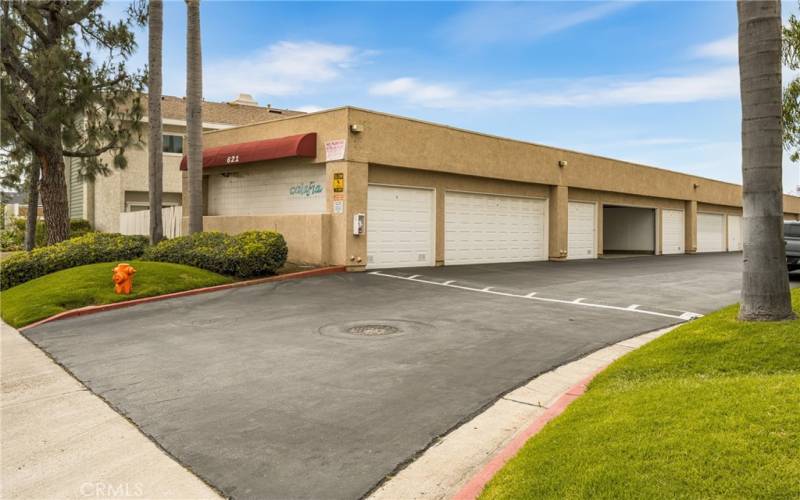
{"x": 87, "y": 249}
{"x": 9, "y": 240}
{"x": 77, "y": 228}
{"x": 247, "y": 255}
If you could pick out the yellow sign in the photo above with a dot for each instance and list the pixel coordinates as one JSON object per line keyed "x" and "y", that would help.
{"x": 338, "y": 183}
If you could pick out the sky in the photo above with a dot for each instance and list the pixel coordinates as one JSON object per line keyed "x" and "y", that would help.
{"x": 655, "y": 82}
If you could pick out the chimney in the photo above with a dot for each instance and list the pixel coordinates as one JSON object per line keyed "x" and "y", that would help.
{"x": 245, "y": 100}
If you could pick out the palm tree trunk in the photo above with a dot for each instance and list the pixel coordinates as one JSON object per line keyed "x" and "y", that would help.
{"x": 194, "y": 115}
{"x": 154, "y": 83}
{"x": 33, "y": 205}
{"x": 765, "y": 282}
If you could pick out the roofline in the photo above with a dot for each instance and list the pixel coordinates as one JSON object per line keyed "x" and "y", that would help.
{"x": 491, "y": 136}
{"x": 520, "y": 141}
{"x": 321, "y": 112}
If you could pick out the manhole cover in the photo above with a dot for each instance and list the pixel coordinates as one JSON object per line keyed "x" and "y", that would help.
{"x": 372, "y": 330}
{"x": 376, "y": 329}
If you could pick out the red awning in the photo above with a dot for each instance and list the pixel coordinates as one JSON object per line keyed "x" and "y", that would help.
{"x": 304, "y": 145}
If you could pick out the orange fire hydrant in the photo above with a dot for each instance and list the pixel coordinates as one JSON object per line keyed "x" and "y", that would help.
{"x": 123, "y": 278}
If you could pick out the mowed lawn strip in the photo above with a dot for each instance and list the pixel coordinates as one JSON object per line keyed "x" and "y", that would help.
{"x": 710, "y": 410}
{"x": 91, "y": 285}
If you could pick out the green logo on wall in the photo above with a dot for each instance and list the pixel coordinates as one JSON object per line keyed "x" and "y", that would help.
{"x": 308, "y": 189}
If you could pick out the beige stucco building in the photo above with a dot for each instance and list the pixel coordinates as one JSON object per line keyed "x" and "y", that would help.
{"x": 101, "y": 201}
{"x": 367, "y": 190}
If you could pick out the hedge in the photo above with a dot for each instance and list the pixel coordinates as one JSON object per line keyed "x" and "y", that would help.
{"x": 90, "y": 248}
{"x": 246, "y": 255}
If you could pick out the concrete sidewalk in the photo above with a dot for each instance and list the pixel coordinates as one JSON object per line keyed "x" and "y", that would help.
{"x": 62, "y": 441}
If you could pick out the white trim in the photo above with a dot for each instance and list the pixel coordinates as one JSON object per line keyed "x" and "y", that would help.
{"x": 129, "y": 204}
{"x": 179, "y": 122}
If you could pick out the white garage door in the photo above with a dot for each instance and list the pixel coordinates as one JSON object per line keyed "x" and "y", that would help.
{"x": 710, "y": 233}
{"x": 672, "y": 232}
{"x": 400, "y": 224}
{"x": 734, "y": 233}
{"x": 483, "y": 228}
{"x": 582, "y": 235}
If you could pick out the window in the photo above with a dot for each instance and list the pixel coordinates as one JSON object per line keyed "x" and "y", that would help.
{"x": 791, "y": 230}
{"x": 173, "y": 144}
{"x": 136, "y": 207}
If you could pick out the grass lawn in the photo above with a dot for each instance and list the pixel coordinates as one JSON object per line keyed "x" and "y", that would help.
{"x": 710, "y": 410}
{"x": 91, "y": 285}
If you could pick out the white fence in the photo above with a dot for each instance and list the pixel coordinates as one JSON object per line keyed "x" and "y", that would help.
{"x": 139, "y": 222}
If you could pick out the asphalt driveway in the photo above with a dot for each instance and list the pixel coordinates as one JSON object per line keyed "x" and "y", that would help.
{"x": 263, "y": 392}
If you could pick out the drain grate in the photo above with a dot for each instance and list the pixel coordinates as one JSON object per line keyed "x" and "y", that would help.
{"x": 373, "y": 330}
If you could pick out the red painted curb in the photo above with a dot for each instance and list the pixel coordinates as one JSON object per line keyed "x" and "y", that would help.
{"x": 475, "y": 486}
{"x": 119, "y": 305}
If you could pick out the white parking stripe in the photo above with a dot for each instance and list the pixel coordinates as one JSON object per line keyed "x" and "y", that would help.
{"x": 686, "y": 316}
{"x": 633, "y": 307}
{"x": 448, "y": 282}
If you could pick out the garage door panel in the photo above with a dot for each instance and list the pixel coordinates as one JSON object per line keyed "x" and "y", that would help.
{"x": 673, "y": 235}
{"x": 734, "y": 233}
{"x": 485, "y": 228}
{"x": 710, "y": 232}
{"x": 581, "y": 231}
{"x": 399, "y": 227}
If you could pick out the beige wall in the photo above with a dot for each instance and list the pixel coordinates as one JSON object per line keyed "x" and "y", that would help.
{"x": 109, "y": 190}
{"x": 718, "y": 209}
{"x": 346, "y": 248}
{"x": 307, "y": 235}
{"x": 404, "y": 142}
{"x": 328, "y": 125}
{"x": 404, "y": 152}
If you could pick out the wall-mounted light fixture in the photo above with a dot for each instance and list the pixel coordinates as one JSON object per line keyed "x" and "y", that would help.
{"x": 356, "y": 128}
{"x": 696, "y": 185}
{"x": 562, "y": 163}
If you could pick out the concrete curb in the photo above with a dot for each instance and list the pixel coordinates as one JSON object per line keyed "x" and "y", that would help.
{"x": 459, "y": 464}
{"x": 475, "y": 486}
{"x": 130, "y": 303}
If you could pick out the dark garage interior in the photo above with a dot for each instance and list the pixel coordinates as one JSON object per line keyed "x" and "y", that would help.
{"x": 629, "y": 230}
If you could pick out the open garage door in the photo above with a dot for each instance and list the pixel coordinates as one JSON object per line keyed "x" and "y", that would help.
{"x": 482, "y": 228}
{"x": 672, "y": 232}
{"x": 629, "y": 230}
{"x": 581, "y": 231}
{"x": 734, "y": 233}
{"x": 710, "y": 232}
{"x": 400, "y": 227}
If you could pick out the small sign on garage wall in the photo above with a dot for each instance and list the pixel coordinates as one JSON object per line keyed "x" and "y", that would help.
{"x": 338, "y": 207}
{"x": 338, "y": 182}
{"x": 334, "y": 150}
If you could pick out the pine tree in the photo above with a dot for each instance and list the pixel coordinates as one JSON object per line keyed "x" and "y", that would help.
{"x": 68, "y": 93}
